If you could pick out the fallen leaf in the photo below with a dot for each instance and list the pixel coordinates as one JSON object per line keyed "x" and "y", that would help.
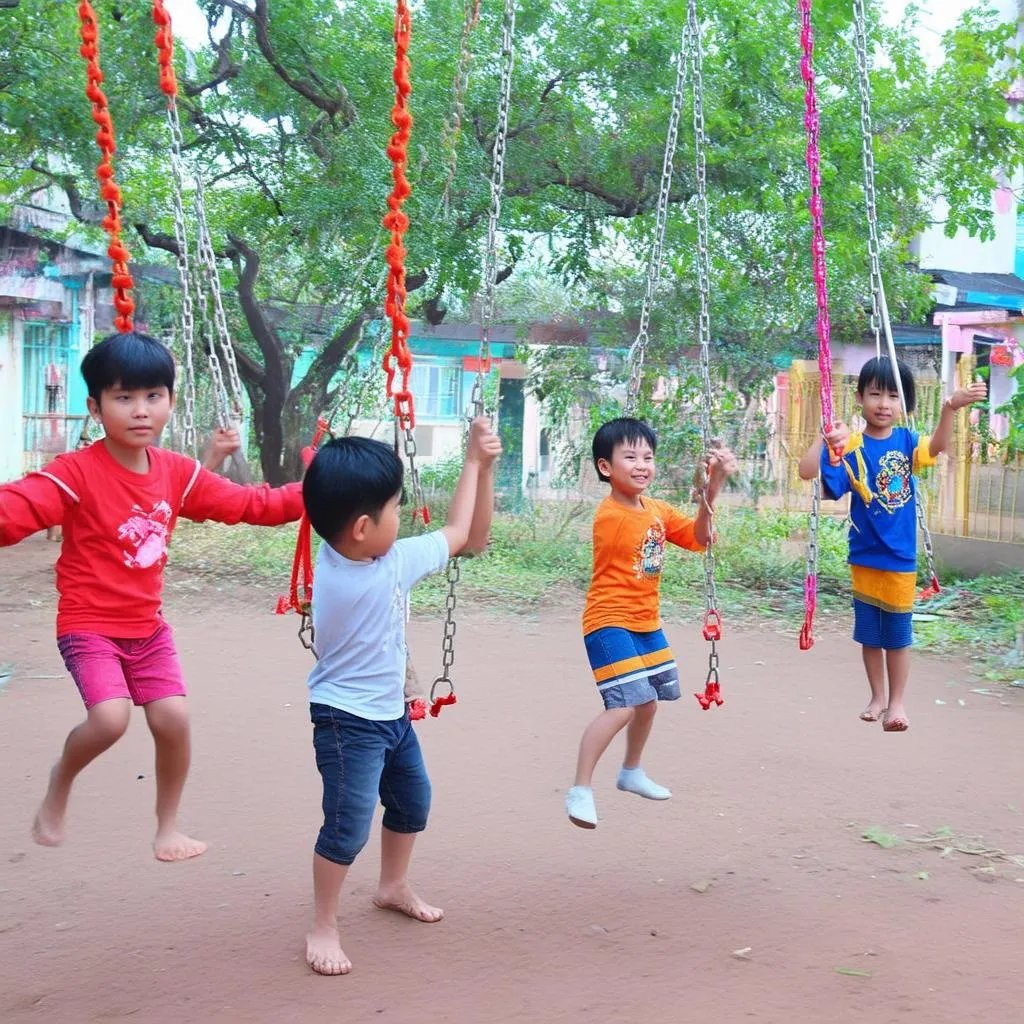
{"x": 852, "y": 972}
{"x": 886, "y": 840}
{"x": 743, "y": 954}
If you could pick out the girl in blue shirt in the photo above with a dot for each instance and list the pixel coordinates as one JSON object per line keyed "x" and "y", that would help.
{"x": 877, "y": 468}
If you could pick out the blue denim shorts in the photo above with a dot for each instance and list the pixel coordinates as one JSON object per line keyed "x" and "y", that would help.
{"x": 875, "y": 627}
{"x": 361, "y": 761}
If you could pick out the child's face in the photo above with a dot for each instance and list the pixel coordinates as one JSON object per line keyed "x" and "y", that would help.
{"x": 881, "y": 406}
{"x": 631, "y": 468}
{"x": 133, "y": 418}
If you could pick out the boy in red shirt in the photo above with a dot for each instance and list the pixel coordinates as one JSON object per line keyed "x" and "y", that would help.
{"x": 118, "y": 501}
{"x": 632, "y": 662}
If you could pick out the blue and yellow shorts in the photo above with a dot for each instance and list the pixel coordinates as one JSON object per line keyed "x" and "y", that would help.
{"x": 883, "y": 605}
{"x": 632, "y": 668}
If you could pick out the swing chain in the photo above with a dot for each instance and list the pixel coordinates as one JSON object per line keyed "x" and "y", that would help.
{"x": 879, "y": 307}
{"x": 187, "y": 318}
{"x": 208, "y": 261}
{"x": 638, "y": 350}
{"x": 868, "y": 158}
{"x": 452, "y": 575}
{"x": 419, "y": 501}
{"x": 811, "y": 576}
{"x": 497, "y": 188}
{"x": 452, "y": 132}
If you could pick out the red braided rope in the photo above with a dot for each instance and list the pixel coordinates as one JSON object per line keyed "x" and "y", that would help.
{"x": 812, "y": 123}
{"x": 398, "y": 359}
{"x": 121, "y": 280}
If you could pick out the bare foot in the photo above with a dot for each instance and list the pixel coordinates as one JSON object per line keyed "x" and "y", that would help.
{"x": 895, "y": 720}
{"x": 405, "y": 901}
{"x": 873, "y": 712}
{"x": 48, "y": 826}
{"x": 324, "y": 953}
{"x": 177, "y": 846}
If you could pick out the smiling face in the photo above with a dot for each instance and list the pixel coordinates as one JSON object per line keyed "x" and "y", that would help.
{"x": 631, "y": 469}
{"x": 881, "y": 407}
{"x": 133, "y": 418}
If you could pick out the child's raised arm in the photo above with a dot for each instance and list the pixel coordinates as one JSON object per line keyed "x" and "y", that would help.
{"x": 460, "y": 512}
{"x": 960, "y": 399}
{"x": 483, "y": 510}
{"x": 721, "y": 465}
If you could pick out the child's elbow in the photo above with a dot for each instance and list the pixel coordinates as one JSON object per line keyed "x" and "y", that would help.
{"x": 806, "y": 473}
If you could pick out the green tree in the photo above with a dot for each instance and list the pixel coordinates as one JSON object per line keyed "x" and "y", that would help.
{"x": 286, "y": 113}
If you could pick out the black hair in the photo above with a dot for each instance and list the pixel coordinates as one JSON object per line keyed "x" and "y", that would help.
{"x": 878, "y": 372}
{"x": 127, "y": 361}
{"x": 624, "y": 430}
{"x": 349, "y": 477}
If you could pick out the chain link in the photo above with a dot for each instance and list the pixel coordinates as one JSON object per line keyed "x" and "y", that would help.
{"x": 638, "y": 350}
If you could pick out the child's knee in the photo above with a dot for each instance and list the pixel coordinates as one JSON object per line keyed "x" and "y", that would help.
{"x": 168, "y": 719}
{"x": 109, "y": 720}
{"x": 407, "y": 808}
{"x": 341, "y": 841}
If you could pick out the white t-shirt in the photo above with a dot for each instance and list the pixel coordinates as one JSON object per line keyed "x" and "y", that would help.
{"x": 359, "y": 613}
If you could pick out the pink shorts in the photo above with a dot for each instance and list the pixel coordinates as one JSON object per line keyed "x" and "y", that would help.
{"x": 104, "y": 668}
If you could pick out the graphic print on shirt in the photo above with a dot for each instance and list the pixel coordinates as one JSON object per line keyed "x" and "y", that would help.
{"x": 400, "y": 607}
{"x": 650, "y": 556}
{"x": 144, "y": 535}
{"x": 892, "y": 482}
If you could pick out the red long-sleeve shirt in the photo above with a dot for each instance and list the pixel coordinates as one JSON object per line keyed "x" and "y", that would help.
{"x": 117, "y": 527}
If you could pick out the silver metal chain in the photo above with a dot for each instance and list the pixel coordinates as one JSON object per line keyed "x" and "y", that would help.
{"x": 695, "y": 47}
{"x": 490, "y": 275}
{"x": 453, "y": 130}
{"x": 812, "y": 535}
{"x": 693, "y": 43}
{"x": 868, "y": 161}
{"x": 638, "y": 350}
{"x": 881, "y": 324}
{"x": 208, "y": 262}
{"x": 187, "y": 313}
{"x": 490, "y": 281}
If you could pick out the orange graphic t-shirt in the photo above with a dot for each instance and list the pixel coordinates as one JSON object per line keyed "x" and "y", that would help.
{"x": 629, "y": 552}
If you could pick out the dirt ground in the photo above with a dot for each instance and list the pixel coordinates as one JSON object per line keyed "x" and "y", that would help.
{"x": 750, "y": 896}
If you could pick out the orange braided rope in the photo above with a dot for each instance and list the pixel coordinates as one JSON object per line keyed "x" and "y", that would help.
{"x": 121, "y": 280}
{"x": 165, "y": 49}
{"x": 398, "y": 359}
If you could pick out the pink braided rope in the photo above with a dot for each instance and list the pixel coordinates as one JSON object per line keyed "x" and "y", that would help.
{"x": 812, "y": 123}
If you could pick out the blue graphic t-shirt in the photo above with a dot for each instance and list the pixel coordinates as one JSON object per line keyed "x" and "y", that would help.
{"x": 879, "y": 474}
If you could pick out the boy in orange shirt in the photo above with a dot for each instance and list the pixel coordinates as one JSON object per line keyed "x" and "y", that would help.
{"x": 630, "y": 657}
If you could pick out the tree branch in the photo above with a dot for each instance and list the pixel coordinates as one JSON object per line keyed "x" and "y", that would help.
{"x": 161, "y": 240}
{"x": 68, "y": 185}
{"x": 259, "y": 17}
{"x": 276, "y": 373}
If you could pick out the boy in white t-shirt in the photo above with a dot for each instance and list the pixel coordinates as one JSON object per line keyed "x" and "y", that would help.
{"x": 365, "y": 745}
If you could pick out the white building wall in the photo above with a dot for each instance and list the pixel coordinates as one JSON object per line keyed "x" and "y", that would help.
{"x": 10, "y": 395}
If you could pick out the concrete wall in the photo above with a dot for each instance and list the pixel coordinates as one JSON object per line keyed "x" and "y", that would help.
{"x": 976, "y": 557}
